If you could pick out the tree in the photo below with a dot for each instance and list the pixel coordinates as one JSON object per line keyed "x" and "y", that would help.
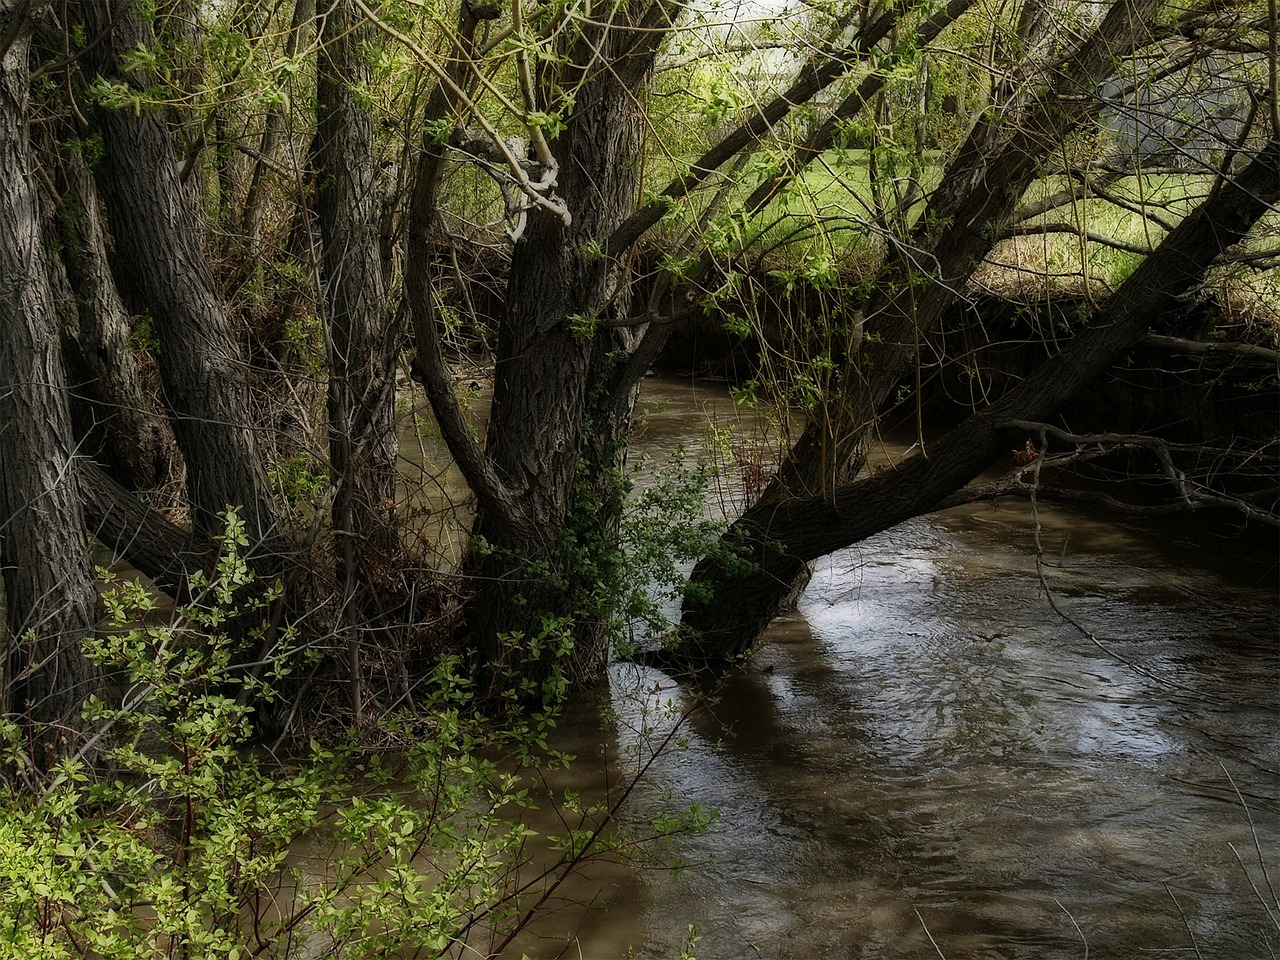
{"x": 121, "y": 422}
{"x": 361, "y": 338}
{"x": 161, "y": 260}
{"x": 802, "y": 528}
{"x": 275, "y": 207}
{"x": 572, "y": 349}
{"x": 44, "y": 550}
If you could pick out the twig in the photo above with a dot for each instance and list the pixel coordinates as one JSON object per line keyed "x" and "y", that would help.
{"x": 540, "y": 193}
{"x": 1044, "y": 582}
{"x": 1083, "y": 939}
{"x": 930, "y": 935}
{"x": 1185, "y": 922}
{"x": 1257, "y": 846}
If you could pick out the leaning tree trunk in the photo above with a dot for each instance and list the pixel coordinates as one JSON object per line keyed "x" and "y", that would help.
{"x": 44, "y": 550}
{"x": 979, "y": 190}
{"x": 160, "y": 258}
{"x": 802, "y": 529}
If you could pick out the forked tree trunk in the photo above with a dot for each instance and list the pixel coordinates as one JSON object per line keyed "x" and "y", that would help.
{"x": 558, "y": 418}
{"x": 44, "y": 551}
{"x": 158, "y": 250}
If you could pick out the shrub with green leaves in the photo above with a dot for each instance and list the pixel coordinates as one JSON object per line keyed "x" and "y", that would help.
{"x": 183, "y": 839}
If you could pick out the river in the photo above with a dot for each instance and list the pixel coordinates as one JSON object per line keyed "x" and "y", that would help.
{"x": 926, "y": 759}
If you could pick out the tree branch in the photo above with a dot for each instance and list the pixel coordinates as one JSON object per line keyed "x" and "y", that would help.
{"x": 814, "y": 77}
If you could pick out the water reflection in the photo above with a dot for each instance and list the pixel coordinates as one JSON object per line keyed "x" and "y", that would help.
{"x": 926, "y": 753}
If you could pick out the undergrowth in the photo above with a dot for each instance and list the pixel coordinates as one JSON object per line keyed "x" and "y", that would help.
{"x": 178, "y": 837}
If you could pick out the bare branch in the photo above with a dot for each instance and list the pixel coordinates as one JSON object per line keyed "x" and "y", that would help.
{"x": 1031, "y": 230}
{"x": 815, "y": 76}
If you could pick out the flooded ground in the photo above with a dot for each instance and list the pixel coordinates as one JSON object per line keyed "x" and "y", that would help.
{"x": 926, "y": 759}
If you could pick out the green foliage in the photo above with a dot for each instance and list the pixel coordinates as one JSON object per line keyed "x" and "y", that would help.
{"x": 186, "y": 841}
{"x": 143, "y": 336}
{"x": 691, "y": 941}
{"x": 665, "y": 529}
{"x": 582, "y": 325}
{"x": 297, "y": 481}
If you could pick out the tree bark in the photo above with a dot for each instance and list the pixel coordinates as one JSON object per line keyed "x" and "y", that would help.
{"x": 560, "y": 413}
{"x": 561, "y": 372}
{"x": 44, "y": 552}
{"x": 362, "y": 340}
{"x": 158, "y": 249}
{"x": 117, "y": 419}
{"x": 723, "y": 627}
{"x": 138, "y": 534}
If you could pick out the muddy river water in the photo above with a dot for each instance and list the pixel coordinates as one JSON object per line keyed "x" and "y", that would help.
{"x": 925, "y": 759}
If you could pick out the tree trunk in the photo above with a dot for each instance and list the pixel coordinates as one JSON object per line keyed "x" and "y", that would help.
{"x": 560, "y": 411}
{"x": 274, "y": 128}
{"x": 117, "y": 419}
{"x": 921, "y": 279}
{"x": 138, "y": 534}
{"x": 44, "y": 551}
{"x": 362, "y": 340}
{"x": 799, "y": 530}
{"x": 547, "y": 483}
{"x": 361, "y": 336}
{"x": 158, "y": 250}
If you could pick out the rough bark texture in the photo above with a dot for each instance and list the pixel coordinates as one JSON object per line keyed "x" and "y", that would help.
{"x": 920, "y": 281}
{"x": 725, "y": 625}
{"x": 157, "y": 236}
{"x": 360, "y": 338}
{"x": 362, "y": 342}
{"x": 138, "y": 534}
{"x": 546, "y": 493}
{"x": 44, "y": 552}
{"x": 558, "y": 415}
{"x": 117, "y": 419}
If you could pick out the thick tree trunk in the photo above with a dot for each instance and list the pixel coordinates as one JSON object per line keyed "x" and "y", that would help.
{"x": 158, "y": 249}
{"x": 361, "y": 338}
{"x": 723, "y": 627}
{"x": 44, "y": 551}
{"x": 559, "y": 413}
{"x": 979, "y": 190}
{"x": 117, "y": 419}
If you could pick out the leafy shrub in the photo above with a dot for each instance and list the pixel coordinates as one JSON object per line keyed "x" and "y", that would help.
{"x": 183, "y": 839}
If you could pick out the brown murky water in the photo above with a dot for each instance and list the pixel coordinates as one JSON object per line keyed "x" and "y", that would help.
{"x": 927, "y": 760}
